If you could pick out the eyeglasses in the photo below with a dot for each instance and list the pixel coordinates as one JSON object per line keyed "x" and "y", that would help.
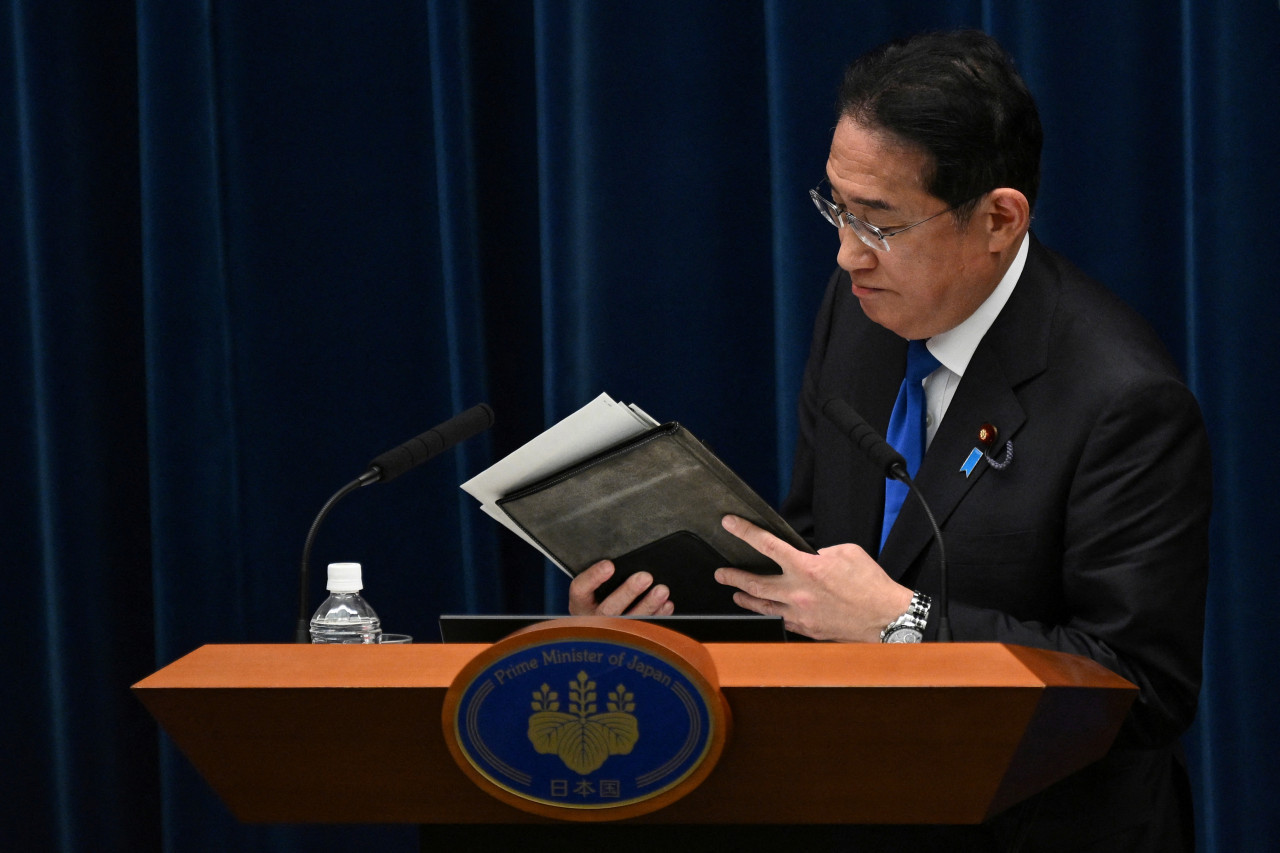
{"x": 867, "y": 233}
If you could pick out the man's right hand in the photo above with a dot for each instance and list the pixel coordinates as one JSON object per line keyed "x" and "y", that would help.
{"x": 636, "y": 596}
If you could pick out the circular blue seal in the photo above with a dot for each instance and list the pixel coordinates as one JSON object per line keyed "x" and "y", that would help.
{"x": 585, "y": 721}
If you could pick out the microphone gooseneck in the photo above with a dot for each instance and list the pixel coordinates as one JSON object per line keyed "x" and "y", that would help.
{"x": 302, "y": 631}
{"x": 384, "y": 469}
{"x": 892, "y": 465}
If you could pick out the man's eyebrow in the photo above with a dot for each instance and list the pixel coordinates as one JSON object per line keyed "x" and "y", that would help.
{"x": 872, "y": 203}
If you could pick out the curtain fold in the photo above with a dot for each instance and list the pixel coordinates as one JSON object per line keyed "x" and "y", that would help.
{"x": 74, "y": 430}
{"x": 460, "y": 276}
{"x": 247, "y": 245}
{"x": 1231, "y": 66}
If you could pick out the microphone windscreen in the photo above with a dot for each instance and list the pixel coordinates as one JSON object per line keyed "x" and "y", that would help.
{"x": 849, "y": 422}
{"x": 434, "y": 441}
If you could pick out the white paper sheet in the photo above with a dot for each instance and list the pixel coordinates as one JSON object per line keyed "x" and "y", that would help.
{"x": 595, "y": 427}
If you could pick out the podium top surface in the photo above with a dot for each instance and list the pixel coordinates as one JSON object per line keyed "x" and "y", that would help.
{"x": 739, "y": 665}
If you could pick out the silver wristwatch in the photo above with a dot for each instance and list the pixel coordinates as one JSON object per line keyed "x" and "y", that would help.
{"x": 909, "y": 627}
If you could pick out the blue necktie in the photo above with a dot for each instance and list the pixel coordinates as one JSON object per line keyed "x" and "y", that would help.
{"x": 906, "y": 428}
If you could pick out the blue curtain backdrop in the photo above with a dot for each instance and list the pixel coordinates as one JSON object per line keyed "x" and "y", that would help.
{"x": 247, "y": 245}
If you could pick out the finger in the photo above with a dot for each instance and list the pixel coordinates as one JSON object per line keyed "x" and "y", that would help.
{"x": 582, "y": 589}
{"x": 763, "y": 606}
{"x": 759, "y": 538}
{"x": 765, "y": 587}
{"x": 656, "y": 603}
{"x": 730, "y": 576}
{"x": 626, "y": 595}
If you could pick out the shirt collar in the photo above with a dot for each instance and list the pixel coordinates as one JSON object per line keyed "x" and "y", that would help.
{"x": 955, "y": 347}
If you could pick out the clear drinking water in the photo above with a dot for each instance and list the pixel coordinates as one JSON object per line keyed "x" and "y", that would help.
{"x": 345, "y": 617}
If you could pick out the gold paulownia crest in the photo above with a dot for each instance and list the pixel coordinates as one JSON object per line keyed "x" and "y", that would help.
{"x": 583, "y": 739}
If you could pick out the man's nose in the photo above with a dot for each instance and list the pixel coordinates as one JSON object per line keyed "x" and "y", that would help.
{"x": 854, "y": 254}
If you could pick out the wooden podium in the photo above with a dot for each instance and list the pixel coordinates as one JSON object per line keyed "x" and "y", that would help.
{"x": 821, "y": 733}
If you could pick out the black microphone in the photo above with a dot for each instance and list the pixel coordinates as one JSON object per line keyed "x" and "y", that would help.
{"x": 891, "y": 463}
{"x": 431, "y": 443}
{"x": 858, "y": 431}
{"x": 384, "y": 469}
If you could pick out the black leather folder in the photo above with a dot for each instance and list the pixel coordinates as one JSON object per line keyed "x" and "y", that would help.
{"x": 653, "y": 503}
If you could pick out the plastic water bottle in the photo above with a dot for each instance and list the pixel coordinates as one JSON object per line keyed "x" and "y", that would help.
{"x": 345, "y": 617}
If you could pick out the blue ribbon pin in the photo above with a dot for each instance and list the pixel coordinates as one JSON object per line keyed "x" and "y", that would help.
{"x": 971, "y": 461}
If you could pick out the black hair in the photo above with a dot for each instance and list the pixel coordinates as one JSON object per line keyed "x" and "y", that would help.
{"x": 957, "y": 97}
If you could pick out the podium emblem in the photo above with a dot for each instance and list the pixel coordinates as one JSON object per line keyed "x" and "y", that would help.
{"x": 582, "y": 738}
{"x": 587, "y": 719}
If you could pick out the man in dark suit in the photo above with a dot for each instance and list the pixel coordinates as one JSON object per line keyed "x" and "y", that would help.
{"x": 1066, "y": 461}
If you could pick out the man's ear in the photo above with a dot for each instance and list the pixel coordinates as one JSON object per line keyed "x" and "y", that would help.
{"x": 1006, "y": 215}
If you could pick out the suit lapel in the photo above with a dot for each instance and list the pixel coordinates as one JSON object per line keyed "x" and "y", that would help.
{"x": 1014, "y": 351}
{"x": 869, "y": 381}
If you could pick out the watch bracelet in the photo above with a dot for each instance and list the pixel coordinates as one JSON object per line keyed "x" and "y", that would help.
{"x": 917, "y": 615}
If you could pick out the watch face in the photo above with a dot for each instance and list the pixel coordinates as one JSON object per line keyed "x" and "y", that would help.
{"x": 904, "y": 634}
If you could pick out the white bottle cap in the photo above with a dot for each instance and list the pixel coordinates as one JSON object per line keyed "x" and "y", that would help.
{"x": 345, "y": 577}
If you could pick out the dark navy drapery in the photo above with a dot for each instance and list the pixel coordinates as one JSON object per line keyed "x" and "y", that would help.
{"x": 247, "y": 245}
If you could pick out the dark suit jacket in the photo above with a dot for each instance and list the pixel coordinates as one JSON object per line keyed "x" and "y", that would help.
{"x": 1094, "y": 539}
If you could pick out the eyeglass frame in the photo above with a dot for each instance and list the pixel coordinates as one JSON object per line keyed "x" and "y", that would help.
{"x": 826, "y": 207}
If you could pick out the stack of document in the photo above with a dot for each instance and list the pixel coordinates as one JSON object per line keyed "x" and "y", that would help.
{"x": 597, "y": 426}
{"x": 609, "y": 482}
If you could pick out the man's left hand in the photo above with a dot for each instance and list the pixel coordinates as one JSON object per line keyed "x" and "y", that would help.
{"x": 839, "y": 594}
